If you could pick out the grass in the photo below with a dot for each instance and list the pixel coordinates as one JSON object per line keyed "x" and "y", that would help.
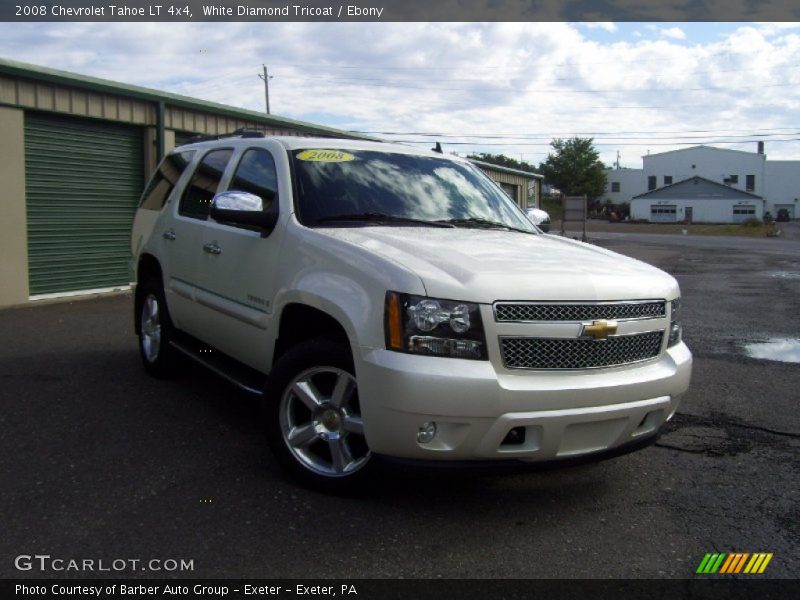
{"x": 747, "y": 230}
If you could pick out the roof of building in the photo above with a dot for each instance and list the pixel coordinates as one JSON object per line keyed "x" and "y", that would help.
{"x": 703, "y": 146}
{"x": 494, "y": 167}
{"x": 693, "y": 190}
{"x": 36, "y": 72}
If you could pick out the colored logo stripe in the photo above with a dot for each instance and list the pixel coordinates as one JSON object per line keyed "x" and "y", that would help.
{"x": 733, "y": 563}
{"x": 758, "y": 563}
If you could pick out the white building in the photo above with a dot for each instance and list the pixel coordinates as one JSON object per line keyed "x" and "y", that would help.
{"x": 697, "y": 200}
{"x": 717, "y": 181}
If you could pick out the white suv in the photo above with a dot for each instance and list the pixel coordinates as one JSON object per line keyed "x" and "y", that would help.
{"x": 385, "y": 303}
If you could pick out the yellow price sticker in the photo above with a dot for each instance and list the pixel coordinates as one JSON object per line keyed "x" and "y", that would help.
{"x": 320, "y": 155}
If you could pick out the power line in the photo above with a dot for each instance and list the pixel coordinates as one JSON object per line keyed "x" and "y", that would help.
{"x": 485, "y": 80}
{"x": 611, "y": 136}
{"x": 644, "y": 143}
{"x": 564, "y": 91}
{"x": 472, "y": 67}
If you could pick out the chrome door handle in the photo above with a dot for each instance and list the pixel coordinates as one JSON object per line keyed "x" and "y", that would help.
{"x": 212, "y": 248}
{"x": 169, "y": 234}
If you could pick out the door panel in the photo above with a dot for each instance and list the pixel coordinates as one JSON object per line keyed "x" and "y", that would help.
{"x": 182, "y": 239}
{"x": 236, "y": 271}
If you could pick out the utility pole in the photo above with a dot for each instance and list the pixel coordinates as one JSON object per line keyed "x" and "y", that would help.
{"x": 266, "y": 77}
{"x": 617, "y": 160}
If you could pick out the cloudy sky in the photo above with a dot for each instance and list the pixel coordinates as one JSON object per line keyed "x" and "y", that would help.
{"x": 487, "y": 87}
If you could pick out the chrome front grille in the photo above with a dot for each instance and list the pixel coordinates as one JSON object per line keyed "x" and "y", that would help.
{"x": 521, "y": 312}
{"x": 575, "y": 353}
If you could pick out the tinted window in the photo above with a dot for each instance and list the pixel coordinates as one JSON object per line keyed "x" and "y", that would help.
{"x": 332, "y": 182}
{"x": 164, "y": 179}
{"x": 256, "y": 174}
{"x": 204, "y": 183}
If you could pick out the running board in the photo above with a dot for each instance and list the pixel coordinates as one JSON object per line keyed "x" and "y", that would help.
{"x": 242, "y": 376}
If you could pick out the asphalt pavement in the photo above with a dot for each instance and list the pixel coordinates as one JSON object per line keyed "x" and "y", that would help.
{"x": 100, "y": 461}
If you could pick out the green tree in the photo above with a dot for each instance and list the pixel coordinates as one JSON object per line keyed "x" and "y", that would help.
{"x": 575, "y": 168}
{"x": 504, "y": 161}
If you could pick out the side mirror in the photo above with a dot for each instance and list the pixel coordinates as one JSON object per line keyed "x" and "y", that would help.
{"x": 243, "y": 209}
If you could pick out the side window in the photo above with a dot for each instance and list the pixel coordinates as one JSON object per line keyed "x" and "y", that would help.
{"x": 256, "y": 174}
{"x": 204, "y": 183}
{"x": 164, "y": 179}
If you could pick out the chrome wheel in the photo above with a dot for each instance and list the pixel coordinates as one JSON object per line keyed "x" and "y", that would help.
{"x": 320, "y": 421}
{"x": 151, "y": 328}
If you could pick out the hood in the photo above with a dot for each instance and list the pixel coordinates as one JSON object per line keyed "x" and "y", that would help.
{"x": 484, "y": 265}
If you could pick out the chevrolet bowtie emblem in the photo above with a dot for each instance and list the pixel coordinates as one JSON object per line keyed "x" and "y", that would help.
{"x": 598, "y": 330}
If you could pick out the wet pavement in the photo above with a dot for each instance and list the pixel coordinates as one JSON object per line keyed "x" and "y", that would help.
{"x": 780, "y": 349}
{"x": 98, "y": 460}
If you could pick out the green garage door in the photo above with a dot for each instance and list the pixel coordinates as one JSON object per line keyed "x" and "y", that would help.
{"x": 83, "y": 179}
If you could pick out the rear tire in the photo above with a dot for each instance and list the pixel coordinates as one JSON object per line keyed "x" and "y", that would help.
{"x": 155, "y": 330}
{"x": 313, "y": 417}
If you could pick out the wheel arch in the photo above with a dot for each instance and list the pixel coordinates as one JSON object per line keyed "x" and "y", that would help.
{"x": 301, "y": 321}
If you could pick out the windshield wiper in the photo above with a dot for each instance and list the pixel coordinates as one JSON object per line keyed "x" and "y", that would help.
{"x": 376, "y": 217}
{"x": 484, "y": 223}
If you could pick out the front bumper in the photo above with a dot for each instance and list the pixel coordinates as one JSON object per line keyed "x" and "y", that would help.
{"x": 563, "y": 414}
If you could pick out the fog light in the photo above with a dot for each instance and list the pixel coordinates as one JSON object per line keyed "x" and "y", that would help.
{"x": 426, "y": 433}
{"x": 515, "y": 437}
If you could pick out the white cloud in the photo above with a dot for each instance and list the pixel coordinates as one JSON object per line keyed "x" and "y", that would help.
{"x": 675, "y": 33}
{"x": 604, "y": 25}
{"x": 531, "y": 81}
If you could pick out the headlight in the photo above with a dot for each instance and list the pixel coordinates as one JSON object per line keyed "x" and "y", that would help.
{"x": 421, "y": 325}
{"x": 674, "y": 322}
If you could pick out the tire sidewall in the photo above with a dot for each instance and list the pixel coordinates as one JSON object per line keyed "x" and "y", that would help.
{"x": 163, "y": 365}
{"x": 321, "y": 352}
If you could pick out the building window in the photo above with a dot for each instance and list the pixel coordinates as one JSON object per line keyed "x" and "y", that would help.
{"x": 651, "y": 182}
{"x": 615, "y": 186}
{"x": 750, "y": 184}
{"x": 733, "y": 179}
{"x": 667, "y": 179}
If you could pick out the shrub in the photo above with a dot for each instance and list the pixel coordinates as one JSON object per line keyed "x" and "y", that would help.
{"x": 752, "y": 223}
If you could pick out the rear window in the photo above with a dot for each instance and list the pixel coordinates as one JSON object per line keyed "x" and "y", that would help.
{"x": 164, "y": 179}
{"x": 334, "y": 182}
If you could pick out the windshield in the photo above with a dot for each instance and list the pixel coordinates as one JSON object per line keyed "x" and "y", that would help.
{"x": 398, "y": 189}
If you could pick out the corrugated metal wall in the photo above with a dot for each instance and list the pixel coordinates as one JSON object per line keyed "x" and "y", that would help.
{"x": 83, "y": 181}
{"x": 48, "y": 97}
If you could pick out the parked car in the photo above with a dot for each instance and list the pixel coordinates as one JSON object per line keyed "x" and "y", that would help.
{"x": 539, "y": 217}
{"x": 783, "y": 215}
{"x": 390, "y": 302}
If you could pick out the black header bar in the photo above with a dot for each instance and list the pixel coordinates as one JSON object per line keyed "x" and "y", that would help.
{"x": 399, "y": 10}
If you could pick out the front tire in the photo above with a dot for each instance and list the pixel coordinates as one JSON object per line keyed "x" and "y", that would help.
{"x": 313, "y": 417}
{"x": 155, "y": 330}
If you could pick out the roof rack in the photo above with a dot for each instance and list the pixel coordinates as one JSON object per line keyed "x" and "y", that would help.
{"x": 242, "y": 132}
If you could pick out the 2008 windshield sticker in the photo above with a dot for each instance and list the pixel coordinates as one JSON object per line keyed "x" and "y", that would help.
{"x": 319, "y": 155}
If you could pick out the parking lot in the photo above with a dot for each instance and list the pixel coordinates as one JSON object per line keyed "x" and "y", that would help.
{"x": 100, "y": 461}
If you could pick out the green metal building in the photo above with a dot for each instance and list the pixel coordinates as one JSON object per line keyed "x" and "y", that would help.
{"x": 75, "y": 153}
